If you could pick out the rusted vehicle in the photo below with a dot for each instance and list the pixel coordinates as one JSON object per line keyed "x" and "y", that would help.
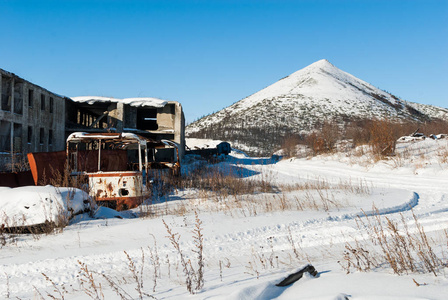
{"x": 117, "y": 166}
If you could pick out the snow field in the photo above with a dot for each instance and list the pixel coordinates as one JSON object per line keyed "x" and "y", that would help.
{"x": 248, "y": 245}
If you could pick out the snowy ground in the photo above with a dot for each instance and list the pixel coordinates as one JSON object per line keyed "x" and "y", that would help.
{"x": 249, "y": 244}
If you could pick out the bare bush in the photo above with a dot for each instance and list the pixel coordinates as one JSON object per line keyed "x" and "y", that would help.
{"x": 137, "y": 275}
{"x": 88, "y": 284}
{"x": 289, "y": 145}
{"x": 186, "y": 266}
{"x": 155, "y": 261}
{"x": 198, "y": 239}
{"x": 434, "y": 127}
{"x": 192, "y": 275}
{"x": 324, "y": 139}
{"x": 382, "y": 138}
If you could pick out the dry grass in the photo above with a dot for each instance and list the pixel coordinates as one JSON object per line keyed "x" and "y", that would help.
{"x": 249, "y": 197}
{"x": 442, "y": 155}
{"x": 393, "y": 245}
{"x": 59, "y": 292}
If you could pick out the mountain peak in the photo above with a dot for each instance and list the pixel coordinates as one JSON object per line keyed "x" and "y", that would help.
{"x": 321, "y": 63}
{"x": 302, "y": 101}
{"x": 319, "y": 67}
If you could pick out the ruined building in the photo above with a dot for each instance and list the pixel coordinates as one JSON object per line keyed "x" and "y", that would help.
{"x": 33, "y": 119}
{"x": 152, "y": 118}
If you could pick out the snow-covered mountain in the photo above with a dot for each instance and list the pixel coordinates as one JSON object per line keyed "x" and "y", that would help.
{"x": 297, "y": 103}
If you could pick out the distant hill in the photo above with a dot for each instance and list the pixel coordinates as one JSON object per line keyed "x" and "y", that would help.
{"x": 300, "y": 102}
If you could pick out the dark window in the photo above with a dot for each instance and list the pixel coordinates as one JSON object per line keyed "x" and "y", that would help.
{"x": 30, "y": 98}
{"x": 41, "y": 136}
{"x": 17, "y": 137}
{"x": 5, "y": 136}
{"x": 30, "y": 134}
{"x": 51, "y": 104}
{"x": 6, "y": 93}
{"x": 18, "y": 97}
{"x": 50, "y": 137}
{"x": 147, "y": 119}
{"x": 42, "y": 102}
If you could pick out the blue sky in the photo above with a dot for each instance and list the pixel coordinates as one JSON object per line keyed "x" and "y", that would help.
{"x": 209, "y": 54}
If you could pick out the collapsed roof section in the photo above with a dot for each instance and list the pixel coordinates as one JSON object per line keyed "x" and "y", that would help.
{"x": 152, "y": 118}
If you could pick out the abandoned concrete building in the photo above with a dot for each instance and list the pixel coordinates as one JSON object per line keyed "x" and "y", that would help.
{"x": 33, "y": 119}
{"x": 152, "y": 118}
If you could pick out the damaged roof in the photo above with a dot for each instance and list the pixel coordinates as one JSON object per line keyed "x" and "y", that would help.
{"x": 137, "y": 102}
{"x": 125, "y": 137}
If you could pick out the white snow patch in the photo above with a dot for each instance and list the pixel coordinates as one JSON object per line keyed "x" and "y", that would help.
{"x": 137, "y": 102}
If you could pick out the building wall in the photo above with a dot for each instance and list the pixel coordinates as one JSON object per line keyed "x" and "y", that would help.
{"x": 169, "y": 122}
{"x": 179, "y": 128}
{"x": 32, "y": 119}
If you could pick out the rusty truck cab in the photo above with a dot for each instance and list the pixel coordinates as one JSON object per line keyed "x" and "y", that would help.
{"x": 115, "y": 165}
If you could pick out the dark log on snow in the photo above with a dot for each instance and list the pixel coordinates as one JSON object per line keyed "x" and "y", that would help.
{"x": 297, "y": 275}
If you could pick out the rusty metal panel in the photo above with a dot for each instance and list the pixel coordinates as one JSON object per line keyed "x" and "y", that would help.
{"x": 111, "y": 160}
{"x": 45, "y": 166}
{"x": 16, "y": 179}
{"x": 9, "y": 180}
{"x": 121, "y": 203}
{"x": 25, "y": 178}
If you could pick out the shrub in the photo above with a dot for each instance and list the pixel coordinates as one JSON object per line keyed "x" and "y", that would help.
{"x": 383, "y": 138}
{"x": 324, "y": 140}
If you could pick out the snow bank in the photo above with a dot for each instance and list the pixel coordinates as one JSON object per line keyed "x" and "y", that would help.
{"x": 32, "y": 205}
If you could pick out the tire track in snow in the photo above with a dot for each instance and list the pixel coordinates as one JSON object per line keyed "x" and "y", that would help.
{"x": 341, "y": 171}
{"x": 281, "y": 230}
{"x": 413, "y": 202}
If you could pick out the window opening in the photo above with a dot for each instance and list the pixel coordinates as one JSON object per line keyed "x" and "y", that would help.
{"x": 18, "y": 97}
{"x": 17, "y": 137}
{"x": 5, "y": 136}
{"x": 41, "y": 136}
{"x": 42, "y": 102}
{"x": 30, "y": 134}
{"x": 6, "y": 93}
{"x": 30, "y": 97}
{"x": 50, "y": 137}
